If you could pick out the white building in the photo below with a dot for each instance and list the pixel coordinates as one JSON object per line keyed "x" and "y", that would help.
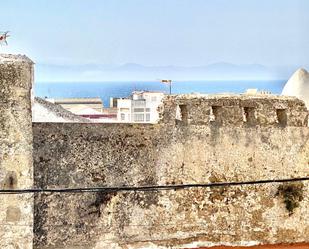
{"x": 141, "y": 107}
{"x": 255, "y": 91}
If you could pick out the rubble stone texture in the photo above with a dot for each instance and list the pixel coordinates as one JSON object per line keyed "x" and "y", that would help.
{"x": 16, "y": 167}
{"x": 199, "y": 140}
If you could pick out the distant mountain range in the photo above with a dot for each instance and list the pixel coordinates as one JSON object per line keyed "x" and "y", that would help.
{"x": 137, "y": 72}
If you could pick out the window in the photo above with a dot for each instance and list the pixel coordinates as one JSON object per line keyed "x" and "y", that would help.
{"x": 138, "y": 109}
{"x": 124, "y": 109}
{"x": 122, "y": 116}
{"x": 282, "y": 117}
{"x": 139, "y": 117}
{"x": 249, "y": 115}
{"x": 138, "y": 103}
{"x": 148, "y": 117}
{"x": 182, "y": 113}
{"x": 154, "y": 98}
{"x": 214, "y": 114}
{"x": 147, "y": 109}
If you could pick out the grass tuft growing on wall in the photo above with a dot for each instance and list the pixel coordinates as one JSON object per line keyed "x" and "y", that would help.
{"x": 292, "y": 194}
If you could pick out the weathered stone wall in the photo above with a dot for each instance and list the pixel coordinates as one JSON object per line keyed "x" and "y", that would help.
{"x": 198, "y": 140}
{"x": 16, "y": 169}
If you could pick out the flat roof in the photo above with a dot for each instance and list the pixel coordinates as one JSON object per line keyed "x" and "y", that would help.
{"x": 147, "y": 92}
{"x": 78, "y": 100}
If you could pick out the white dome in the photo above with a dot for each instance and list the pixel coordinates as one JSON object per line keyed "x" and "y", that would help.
{"x": 298, "y": 86}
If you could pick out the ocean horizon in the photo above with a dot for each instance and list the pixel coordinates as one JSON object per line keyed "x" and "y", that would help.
{"x": 108, "y": 89}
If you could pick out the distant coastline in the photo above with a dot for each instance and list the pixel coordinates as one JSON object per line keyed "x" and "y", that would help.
{"x": 132, "y": 71}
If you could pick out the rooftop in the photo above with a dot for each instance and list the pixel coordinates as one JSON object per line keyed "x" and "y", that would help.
{"x": 60, "y": 111}
{"x": 141, "y": 92}
{"x": 78, "y": 100}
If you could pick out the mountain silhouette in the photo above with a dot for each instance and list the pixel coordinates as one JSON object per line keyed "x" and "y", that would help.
{"x": 133, "y": 71}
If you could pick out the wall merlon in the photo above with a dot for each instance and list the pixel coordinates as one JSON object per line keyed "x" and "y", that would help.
{"x": 16, "y": 74}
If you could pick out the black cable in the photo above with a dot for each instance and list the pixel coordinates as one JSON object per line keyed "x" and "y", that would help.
{"x": 147, "y": 188}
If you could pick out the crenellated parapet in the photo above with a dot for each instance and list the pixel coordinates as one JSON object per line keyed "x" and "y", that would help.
{"x": 234, "y": 110}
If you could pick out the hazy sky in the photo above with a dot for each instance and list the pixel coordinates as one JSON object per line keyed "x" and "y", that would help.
{"x": 159, "y": 32}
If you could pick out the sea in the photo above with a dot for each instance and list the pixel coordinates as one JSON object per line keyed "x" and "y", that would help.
{"x": 105, "y": 90}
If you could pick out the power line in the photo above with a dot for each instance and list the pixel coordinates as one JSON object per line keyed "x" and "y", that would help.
{"x": 108, "y": 227}
{"x": 147, "y": 188}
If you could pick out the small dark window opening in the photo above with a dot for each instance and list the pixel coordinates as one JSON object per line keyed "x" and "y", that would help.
{"x": 183, "y": 113}
{"x": 216, "y": 110}
{"x": 249, "y": 115}
{"x": 282, "y": 117}
{"x": 10, "y": 181}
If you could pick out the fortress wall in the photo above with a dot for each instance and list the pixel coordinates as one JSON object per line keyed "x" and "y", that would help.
{"x": 16, "y": 168}
{"x": 190, "y": 148}
{"x": 198, "y": 140}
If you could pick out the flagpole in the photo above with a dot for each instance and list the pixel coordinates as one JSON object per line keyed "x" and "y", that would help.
{"x": 170, "y": 82}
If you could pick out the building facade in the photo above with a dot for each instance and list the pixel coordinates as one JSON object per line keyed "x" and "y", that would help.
{"x": 141, "y": 107}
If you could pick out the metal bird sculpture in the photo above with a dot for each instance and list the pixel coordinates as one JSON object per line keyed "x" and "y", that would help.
{"x": 3, "y": 37}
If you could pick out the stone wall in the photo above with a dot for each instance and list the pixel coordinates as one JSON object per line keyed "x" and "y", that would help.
{"x": 199, "y": 140}
{"x": 16, "y": 169}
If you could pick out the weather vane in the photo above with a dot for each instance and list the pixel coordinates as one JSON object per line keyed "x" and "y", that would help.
{"x": 3, "y": 37}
